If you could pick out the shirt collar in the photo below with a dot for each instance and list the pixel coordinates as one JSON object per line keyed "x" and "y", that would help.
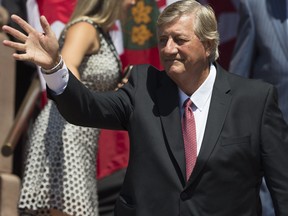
{"x": 203, "y": 93}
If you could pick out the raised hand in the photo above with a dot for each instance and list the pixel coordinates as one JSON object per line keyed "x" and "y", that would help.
{"x": 39, "y": 48}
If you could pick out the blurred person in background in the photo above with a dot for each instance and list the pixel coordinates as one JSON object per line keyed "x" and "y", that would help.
{"x": 261, "y": 52}
{"x": 60, "y": 174}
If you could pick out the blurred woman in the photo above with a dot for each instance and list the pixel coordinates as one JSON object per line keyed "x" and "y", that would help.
{"x": 60, "y": 172}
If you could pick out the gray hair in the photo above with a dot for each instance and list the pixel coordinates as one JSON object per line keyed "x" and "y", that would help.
{"x": 205, "y": 23}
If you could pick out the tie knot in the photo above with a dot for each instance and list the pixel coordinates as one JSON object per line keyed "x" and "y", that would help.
{"x": 187, "y": 103}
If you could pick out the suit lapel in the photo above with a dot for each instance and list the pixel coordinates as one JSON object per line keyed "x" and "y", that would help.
{"x": 168, "y": 104}
{"x": 167, "y": 101}
{"x": 278, "y": 14}
{"x": 219, "y": 106}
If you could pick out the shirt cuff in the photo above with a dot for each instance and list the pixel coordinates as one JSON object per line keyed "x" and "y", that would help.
{"x": 57, "y": 81}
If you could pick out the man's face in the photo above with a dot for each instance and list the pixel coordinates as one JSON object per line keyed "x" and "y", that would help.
{"x": 181, "y": 52}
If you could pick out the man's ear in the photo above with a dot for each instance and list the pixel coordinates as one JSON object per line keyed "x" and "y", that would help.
{"x": 208, "y": 46}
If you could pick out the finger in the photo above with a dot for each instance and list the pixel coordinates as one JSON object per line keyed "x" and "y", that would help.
{"x": 15, "y": 33}
{"x": 22, "y": 23}
{"x": 17, "y": 46}
{"x": 21, "y": 57}
{"x": 45, "y": 26}
{"x": 124, "y": 80}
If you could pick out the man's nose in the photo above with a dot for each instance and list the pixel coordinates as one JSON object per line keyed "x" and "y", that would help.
{"x": 171, "y": 46}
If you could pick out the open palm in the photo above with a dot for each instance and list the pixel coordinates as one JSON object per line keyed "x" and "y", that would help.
{"x": 39, "y": 48}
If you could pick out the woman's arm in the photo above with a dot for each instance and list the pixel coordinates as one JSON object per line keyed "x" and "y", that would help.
{"x": 81, "y": 39}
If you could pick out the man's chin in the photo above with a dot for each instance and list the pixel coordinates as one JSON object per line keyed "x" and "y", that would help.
{"x": 173, "y": 69}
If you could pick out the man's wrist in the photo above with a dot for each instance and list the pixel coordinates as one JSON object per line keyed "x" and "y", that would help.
{"x": 55, "y": 68}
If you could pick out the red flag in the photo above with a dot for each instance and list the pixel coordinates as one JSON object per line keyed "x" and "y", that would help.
{"x": 57, "y": 13}
{"x": 56, "y": 10}
{"x": 139, "y": 33}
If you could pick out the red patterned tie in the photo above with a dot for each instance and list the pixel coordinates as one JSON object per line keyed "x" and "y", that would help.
{"x": 189, "y": 136}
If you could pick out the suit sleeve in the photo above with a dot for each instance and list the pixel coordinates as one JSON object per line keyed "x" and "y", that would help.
{"x": 274, "y": 149}
{"x": 244, "y": 50}
{"x": 83, "y": 107}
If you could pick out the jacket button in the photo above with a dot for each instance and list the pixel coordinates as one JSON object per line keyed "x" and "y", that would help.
{"x": 184, "y": 196}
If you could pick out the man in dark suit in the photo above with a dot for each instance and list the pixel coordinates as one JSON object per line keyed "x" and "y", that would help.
{"x": 261, "y": 52}
{"x": 240, "y": 132}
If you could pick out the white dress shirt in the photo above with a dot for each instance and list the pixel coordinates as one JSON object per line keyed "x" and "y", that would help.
{"x": 57, "y": 81}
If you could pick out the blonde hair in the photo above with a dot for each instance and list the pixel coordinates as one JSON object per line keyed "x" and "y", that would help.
{"x": 204, "y": 25}
{"x": 103, "y": 12}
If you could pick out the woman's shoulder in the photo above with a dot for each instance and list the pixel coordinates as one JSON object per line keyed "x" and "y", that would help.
{"x": 82, "y": 21}
{"x": 82, "y": 25}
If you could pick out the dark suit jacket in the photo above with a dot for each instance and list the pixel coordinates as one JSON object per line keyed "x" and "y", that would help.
{"x": 245, "y": 138}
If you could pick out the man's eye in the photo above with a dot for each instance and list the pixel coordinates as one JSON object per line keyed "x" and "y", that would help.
{"x": 180, "y": 41}
{"x": 162, "y": 41}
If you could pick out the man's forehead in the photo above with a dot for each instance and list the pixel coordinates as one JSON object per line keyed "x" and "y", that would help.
{"x": 177, "y": 25}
